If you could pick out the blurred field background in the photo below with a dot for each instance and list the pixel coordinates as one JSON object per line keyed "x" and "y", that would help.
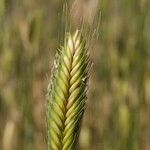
{"x": 118, "y": 108}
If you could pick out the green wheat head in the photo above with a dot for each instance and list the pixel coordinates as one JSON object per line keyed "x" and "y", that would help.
{"x": 67, "y": 93}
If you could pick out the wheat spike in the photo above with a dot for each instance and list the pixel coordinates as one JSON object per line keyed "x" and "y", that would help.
{"x": 67, "y": 93}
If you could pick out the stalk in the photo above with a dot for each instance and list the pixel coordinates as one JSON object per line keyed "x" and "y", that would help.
{"x": 67, "y": 93}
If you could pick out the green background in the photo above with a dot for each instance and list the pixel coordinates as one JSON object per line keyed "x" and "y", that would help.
{"x": 118, "y": 106}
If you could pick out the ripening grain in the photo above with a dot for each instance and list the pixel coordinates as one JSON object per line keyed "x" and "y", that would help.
{"x": 67, "y": 93}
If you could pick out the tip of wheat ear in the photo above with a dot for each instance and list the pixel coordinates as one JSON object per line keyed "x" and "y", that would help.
{"x": 67, "y": 93}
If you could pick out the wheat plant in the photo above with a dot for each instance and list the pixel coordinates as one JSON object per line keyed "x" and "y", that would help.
{"x": 67, "y": 93}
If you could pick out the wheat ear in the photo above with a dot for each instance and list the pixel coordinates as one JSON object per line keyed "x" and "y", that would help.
{"x": 67, "y": 93}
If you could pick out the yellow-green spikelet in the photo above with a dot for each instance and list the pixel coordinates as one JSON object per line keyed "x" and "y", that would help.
{"x": 67, "y": 93}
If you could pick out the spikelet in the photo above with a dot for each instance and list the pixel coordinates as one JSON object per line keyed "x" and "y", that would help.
{"x": 67, "y": 93}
